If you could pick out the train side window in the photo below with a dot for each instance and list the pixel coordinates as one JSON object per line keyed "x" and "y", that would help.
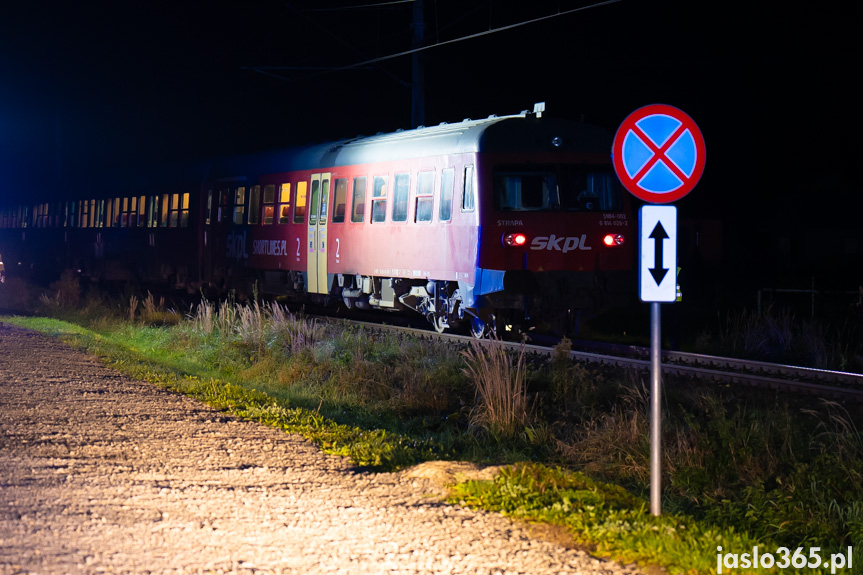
{"x": 100, "y": 217}
{"x": 446, "y": 187}
{"x": 224, "y": 202}
{"x": 254, "y": 204}
{"x": 166, "y": 206}
{"x": 340, "y": 199}
{"x": 239, "y": 205}
{"x": 174, "y": 220}
{"x": 125, "y": 215}
{"x": 184, "y": 211}
{"x": 110, "y": 213}
{"x": 208, "y": 211}
{"x": 269, "y": 200}
{"x": 313, "y": 215}
{"x": 358, "y": 203}
{"x": 92, "y": 213}
{"x": 425, "y": 197}
{"x": 142, "y": 211}
{"x": 401, "y": 193}
{"x": 468, "y": 199}
{"x": 72, "y": 215}
{"x": 152, "y": 210}
{"x": 379, "y": 199}
{"x": 300, "y": 202}
{"x": 325, "y": 197}
{"x": 284, "y": 203}
{"x": 133, "y": 212}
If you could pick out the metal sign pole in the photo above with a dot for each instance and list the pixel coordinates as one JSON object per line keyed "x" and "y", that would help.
{"x": 655, "y": 410}
{"x": 658, "y": 154}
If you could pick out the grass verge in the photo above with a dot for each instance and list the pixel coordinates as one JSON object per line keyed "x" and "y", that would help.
{"x": 741, "y": 469}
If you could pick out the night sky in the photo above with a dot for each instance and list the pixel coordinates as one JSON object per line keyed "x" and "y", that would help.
{"x": 88, "y": 87}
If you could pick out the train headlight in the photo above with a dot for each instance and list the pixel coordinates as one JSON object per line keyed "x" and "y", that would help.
{"x": 612, "y": 240}
{"x": 514, "y": 240}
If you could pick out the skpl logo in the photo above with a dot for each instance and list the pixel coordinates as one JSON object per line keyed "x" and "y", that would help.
{"x": 561, "y": 244}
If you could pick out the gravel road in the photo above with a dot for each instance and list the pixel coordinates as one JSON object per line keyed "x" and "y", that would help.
{"x": 100, "y": 473}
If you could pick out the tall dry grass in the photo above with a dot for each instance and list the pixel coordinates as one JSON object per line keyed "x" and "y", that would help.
{"x": 256, "y": 325}
{"x": 501, "y": 389}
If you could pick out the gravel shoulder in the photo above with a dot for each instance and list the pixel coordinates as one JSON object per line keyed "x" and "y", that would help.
{"x": 100, "y": 473}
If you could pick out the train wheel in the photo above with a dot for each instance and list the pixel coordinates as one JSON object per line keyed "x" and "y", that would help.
{"x": 478, "y": 327}
{"x": 440, "y": 324}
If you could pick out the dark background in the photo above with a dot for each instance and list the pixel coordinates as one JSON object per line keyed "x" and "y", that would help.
{"x": 89, "y": 88}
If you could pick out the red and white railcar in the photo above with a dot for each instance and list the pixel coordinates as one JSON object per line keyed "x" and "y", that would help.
{"x": 506, "y": 221}
{"x": 513, "y": 221}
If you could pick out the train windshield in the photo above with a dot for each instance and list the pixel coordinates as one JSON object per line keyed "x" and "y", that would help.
{"x": 563, "y": 187}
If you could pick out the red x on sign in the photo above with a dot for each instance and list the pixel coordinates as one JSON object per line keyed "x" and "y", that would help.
{"x": 658, "y": 153}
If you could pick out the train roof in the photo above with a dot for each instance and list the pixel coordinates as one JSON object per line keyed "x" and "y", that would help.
{"x": 515, "y": 133}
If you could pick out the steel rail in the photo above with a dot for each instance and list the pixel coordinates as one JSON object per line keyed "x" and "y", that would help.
{"x": 714, "y": 369}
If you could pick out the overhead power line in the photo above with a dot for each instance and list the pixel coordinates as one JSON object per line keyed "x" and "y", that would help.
{"x": 358, "y": 6}
{"x": 472, "y": 36}
{"x": 263, "y": 69}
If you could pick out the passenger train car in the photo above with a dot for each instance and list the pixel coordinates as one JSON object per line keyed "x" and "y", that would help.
{"x": 507, "y": 222}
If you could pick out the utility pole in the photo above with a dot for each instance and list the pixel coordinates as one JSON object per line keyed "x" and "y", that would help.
{"x": 418, "y": 98}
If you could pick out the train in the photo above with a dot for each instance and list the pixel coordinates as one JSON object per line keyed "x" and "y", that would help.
{"x": 508, "y": 223}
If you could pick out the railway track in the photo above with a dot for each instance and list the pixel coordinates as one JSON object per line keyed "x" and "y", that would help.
{"x": 828, "y": 384}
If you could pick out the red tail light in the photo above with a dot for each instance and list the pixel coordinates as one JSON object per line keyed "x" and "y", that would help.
{"x": 514, "y": 240}
{"x": 612, "y": 240}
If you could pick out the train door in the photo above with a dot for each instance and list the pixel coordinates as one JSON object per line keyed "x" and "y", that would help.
{"x": 317, "y": 257}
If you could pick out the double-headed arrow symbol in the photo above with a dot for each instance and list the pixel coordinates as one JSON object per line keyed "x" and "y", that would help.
{"x": 658, "y": 235}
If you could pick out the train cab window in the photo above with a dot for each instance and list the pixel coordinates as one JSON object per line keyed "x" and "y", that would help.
{"x": 358, "y": 203}
{"x": 447, "y": 180}
{"x": 142, "y": 211}
{"x": 300, "y": 202}
{"x": 340, "y": 199}
{"x": 254, "y": 204}
{"x": 425, "y": 197}
{"x": 468, "y": 198}
{"x": 589, "y": 190}
{"x": 284, "y": 203}
{"x": 239, "y": 205}
{"x": 554, "y": 188}
{"x": 401, "y": 192}
{"x": 269, "y": 200}
{"x": 379, "y": 199}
